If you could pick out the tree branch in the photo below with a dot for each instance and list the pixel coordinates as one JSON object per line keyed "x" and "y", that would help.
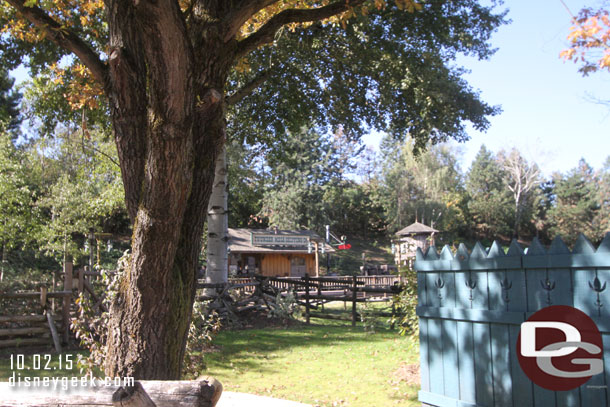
{"x": 266, "y": 33}
{"x": 236, "y": 18}
{"x": 64, "y": 38}
{"x": 248, "y": 88}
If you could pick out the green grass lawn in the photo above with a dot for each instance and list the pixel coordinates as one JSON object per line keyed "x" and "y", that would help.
{"x": 327, "y": 364}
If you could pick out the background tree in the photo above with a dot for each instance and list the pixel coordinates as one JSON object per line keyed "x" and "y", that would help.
{"x": 576, "y": 204}
{"x": 522, "y": 180}
{"x": 489, "y": 201}
{"x": 10, "y": 117}
{"x": 164, "y": 79}
{"x": 301, "y": 169}
{"x": 427, "y": 187}
{"x": 15, "y": 199}
{"x": 245, "y": 173}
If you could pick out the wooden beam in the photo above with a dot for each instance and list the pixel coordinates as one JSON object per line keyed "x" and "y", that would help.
{"x": 34, "y": 295}
{"x": 23, "y": 331}
{"x": 132, "y": 396}
{"x": 16, "y": 343}
{"x": 204, "y": 392}
{"x": 53, "y": 328}
{"x": 22, "y": 318}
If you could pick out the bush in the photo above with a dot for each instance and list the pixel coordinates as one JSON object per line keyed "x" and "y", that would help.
{"x": 285, "y": 307}
{"x": 406, "y": 304}
{"x": 205, "y": 324}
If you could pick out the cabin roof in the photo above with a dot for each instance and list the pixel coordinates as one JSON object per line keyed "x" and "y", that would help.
{"x": 415, "y": 229}
{"x": 240, "y": 241}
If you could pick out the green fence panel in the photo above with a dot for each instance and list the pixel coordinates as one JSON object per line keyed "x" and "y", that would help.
{"x": 471, "y": 306}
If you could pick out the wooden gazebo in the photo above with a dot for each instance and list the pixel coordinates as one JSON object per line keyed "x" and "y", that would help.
{"x": 409, "y": 239}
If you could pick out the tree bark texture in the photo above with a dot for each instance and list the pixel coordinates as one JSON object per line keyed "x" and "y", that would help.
{"x": 218, "y": 233}
{"x": 169, "y": 125}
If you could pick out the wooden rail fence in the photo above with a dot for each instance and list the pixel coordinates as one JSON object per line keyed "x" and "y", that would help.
{"x": 310, "y": 292}
{"x": 44, "y": 316}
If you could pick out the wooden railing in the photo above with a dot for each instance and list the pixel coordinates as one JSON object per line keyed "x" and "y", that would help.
{"x": 326, "y": 283}
{"x": 42, "y": 320}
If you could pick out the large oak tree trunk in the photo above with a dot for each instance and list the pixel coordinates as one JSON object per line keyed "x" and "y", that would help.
{"x": 169, "y": 122}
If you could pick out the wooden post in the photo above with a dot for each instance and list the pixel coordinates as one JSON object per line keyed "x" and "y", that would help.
{"x": 81, "y": 280}
{"x": 354, "y": 297}
{"x": 67, "y": 300}
{"x": 92, "y": 242}
{"x": 307, "y": 298}
{"x": 317, "y": 263}
{"x": 398, "y": 251}
{"x": 53, "y": 288}
{"x": 43, "y": 297}
{"x": 53, "y": 328}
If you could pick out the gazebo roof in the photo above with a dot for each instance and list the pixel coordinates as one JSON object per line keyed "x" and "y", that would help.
{"x": 415, "y": 229}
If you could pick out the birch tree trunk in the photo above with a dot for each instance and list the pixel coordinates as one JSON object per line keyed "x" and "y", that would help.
{"x": 218, "y": 233}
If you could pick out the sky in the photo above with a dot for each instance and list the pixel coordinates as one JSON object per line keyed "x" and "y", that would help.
{"x": 547, "y": 110}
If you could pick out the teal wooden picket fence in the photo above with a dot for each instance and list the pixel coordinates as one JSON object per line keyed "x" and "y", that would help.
{"x": 471, "y": 305}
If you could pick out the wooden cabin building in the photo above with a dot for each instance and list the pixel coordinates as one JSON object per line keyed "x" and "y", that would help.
{"x": 277, "y": 253}
{"x": 409, "y": 239}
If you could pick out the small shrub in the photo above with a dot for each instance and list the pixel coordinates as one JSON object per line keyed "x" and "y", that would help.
{"x": 205, "y": 324}
{"x": 285, "y": 307}
{"x": 368, "y": 319}
{"x": 405, "y": 305}
{"x": 91, "y": 328}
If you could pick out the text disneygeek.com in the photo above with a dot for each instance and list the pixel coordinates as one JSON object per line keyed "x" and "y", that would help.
{"x": 24, "y": 374}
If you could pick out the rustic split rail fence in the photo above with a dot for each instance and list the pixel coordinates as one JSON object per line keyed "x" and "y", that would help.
{"x": 43, "y": 317}
{"x": 471, "y": 305}
{"x": 310, "y": 292}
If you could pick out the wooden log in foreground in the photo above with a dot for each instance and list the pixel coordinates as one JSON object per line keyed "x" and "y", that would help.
{"x": 204, "y": 392}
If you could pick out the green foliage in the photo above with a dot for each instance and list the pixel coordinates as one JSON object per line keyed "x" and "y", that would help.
{"x": 405, "y": 304}
{"x": 90, "y": 327}
{"x": 285, "y": 307}
{"x": 427, "y": 187}
{"x": 245, "y": 185}
{"x": 302, "y": 168}
{"x": 408, "y": 85}
{"x": 80, "y": 189}
{"x": 17, "y": 219}
{"x": 489, "y": 200}
{"x": 205, "y": 324}
{"x": 9, "y": 103}
{"x": 580, "y": 203}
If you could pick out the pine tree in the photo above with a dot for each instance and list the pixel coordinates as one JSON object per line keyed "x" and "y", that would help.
{"x": 576, "y": 204}
{"x": 489, "y": 201}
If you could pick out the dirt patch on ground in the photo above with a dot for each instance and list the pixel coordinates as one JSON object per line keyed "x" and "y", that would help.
{"x": 407, "y": 373}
